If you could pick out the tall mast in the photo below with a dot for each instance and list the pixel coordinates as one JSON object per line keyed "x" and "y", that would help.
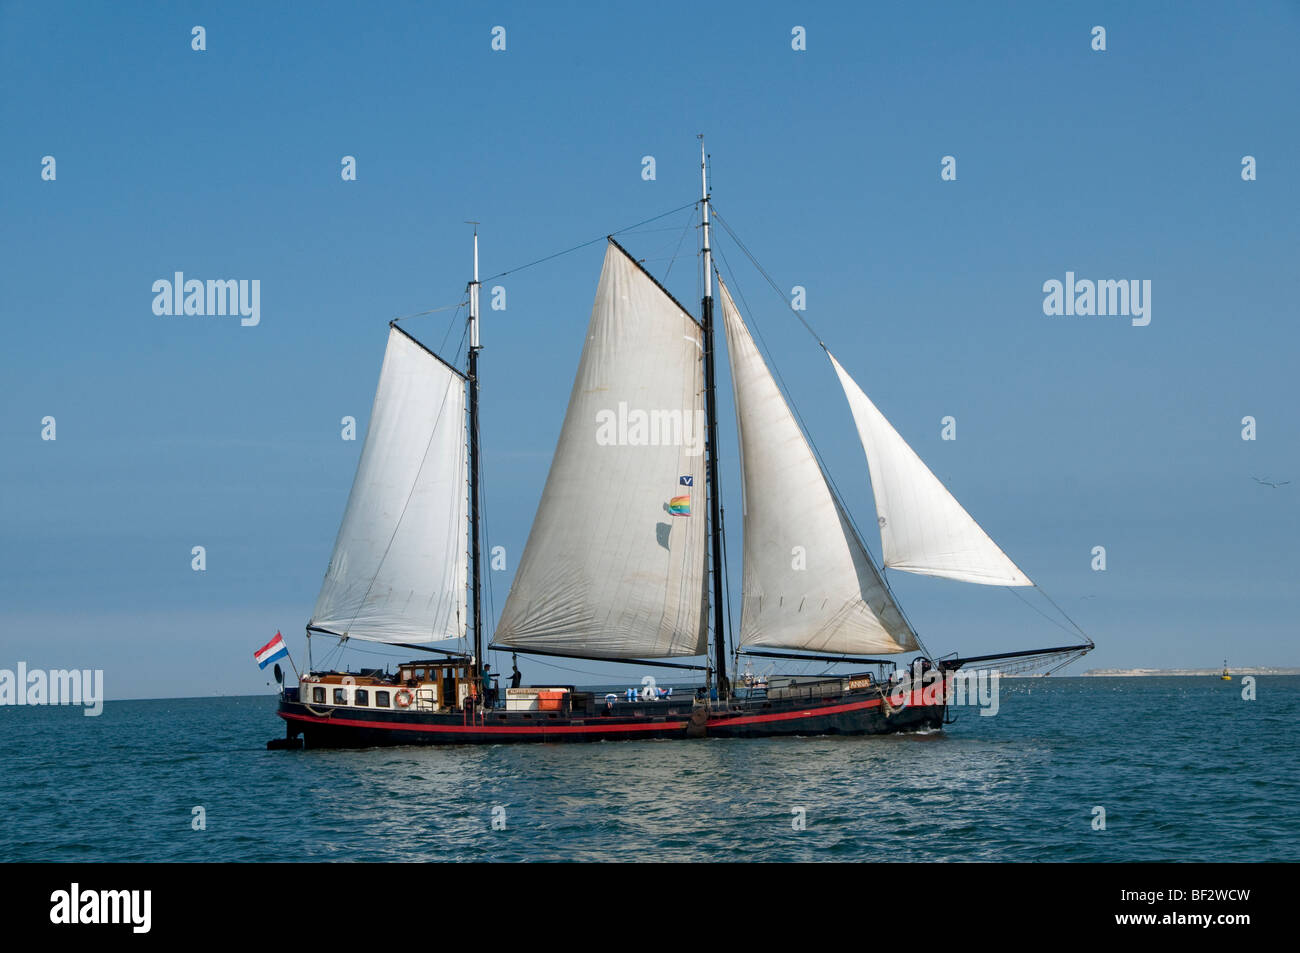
{"x": 711, "y": 405}
{"x": 476, "y": 580}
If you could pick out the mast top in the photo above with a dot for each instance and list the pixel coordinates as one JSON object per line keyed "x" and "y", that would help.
{"x": 704, "y": 220}
{"x": 473, "y": 295}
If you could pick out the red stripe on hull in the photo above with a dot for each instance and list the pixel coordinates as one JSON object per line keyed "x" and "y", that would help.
{"x": 791, "y": 715}
{"x": 489, "y": 729}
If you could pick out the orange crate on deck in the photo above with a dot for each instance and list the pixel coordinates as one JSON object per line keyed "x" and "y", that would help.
{"x": 550, "y": 701}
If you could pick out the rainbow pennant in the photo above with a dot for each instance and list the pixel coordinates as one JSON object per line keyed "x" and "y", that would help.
{"x": 680, "y": 506}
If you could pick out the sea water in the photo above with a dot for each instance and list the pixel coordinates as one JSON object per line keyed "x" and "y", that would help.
{"x": 1070, "y": 769}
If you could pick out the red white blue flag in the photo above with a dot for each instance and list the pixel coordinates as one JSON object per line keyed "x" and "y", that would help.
{"x": 268, "y": 653}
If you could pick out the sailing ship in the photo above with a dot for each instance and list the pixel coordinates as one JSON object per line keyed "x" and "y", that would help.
{"x": 624, "y": 562}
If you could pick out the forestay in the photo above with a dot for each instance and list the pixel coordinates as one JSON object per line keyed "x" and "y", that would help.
{"x": 808, "y": 580}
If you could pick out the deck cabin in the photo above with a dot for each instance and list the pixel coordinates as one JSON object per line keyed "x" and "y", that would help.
{"x": 427, "y": 686}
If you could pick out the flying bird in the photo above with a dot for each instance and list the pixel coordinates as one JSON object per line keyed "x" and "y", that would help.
{"x": 1270, "y": 482}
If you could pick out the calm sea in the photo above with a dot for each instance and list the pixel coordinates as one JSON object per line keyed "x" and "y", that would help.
{"x": 1183, "y": 768}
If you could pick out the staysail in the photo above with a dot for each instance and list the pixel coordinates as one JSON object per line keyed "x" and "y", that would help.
{"x": 923, "y": 529}
{"x": 614, "y": 566}
{"x": 808, "y": 581}
{"x": 398, "y": 572}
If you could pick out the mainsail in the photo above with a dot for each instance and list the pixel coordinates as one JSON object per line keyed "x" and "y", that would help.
{"x": 614, "y": 566}
{"x": 808, "y": 581}
{"x": 398, "y": 572}
{"x": 923, "y": 529}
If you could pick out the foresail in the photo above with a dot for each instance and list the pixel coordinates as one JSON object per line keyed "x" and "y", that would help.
{"x": 808, "y": 580}
{"x": 923, "y": 529}
{"x": 398, "y": 572}
{"x": 615, "y": 561}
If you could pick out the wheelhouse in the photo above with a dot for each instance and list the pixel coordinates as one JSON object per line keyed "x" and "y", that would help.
{"x": 449, "y": 684}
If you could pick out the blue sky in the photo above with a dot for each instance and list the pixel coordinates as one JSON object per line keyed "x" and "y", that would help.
{"x": 1073, "y": 432}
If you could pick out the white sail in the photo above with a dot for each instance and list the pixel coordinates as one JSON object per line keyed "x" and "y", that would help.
{"x": 609, "y": 571}
{"x": 923, "y": 529}
{"x": 808, "y": 582}
{"x": 398, "y": 573}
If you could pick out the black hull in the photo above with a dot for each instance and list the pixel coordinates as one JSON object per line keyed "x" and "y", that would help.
{"x": 325, "y": 726}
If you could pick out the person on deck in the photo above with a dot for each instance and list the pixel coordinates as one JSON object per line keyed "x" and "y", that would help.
{"x": 515, "y": 677}
{"x": 487, "y": 698}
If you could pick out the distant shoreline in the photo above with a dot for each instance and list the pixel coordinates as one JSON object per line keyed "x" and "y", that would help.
{"x": 1149, "y": 672}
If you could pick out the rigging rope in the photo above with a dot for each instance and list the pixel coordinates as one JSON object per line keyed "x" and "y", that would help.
{"x": 1063, "y": 612}
{"x": 510, "y": 271}
{"x": 451, "y": 324}
{"x": 1055, "y": 622}
{"x": 762, "y": 271}
{"x": 445, "y": 307}
{"x": 690, "y": 219}
{"x": 812, "y": 444}
{"x": 831, "y": 480}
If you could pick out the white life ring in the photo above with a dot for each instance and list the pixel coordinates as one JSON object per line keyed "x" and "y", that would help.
{"x": 403, "y": 698}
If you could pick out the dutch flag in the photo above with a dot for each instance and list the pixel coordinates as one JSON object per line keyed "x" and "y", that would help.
{"x": 268, "y": 653}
